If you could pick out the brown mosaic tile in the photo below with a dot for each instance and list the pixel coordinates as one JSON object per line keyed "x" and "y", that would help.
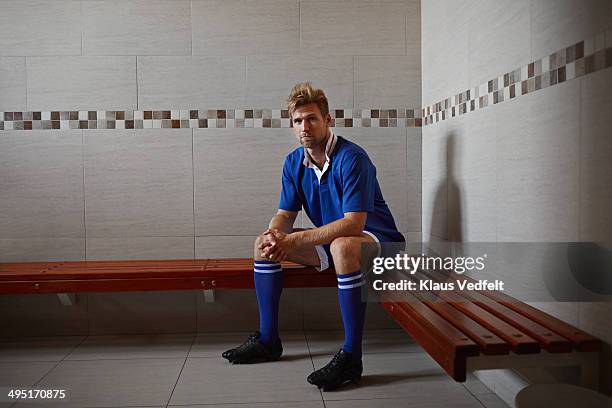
{"x": 538, "y": 82}
{"x": 267, "y": 123}
{"x": 530, "y": 70}
{"x": 166, "y": 115}
{"x": 417, "y": 122}
{"x": 579, "y": 53}
{"x": 366, "y": 122}
{"x": 600, "y": 60}
{"x": 203, "y": 123}
{"x": 523, "y": 87}
{"x": 284, "y": 114}
{"x": 375, "y": 114}
{"x": 92, "y": 115}
{"x": 36, "y": 116}
{"x": 570, "y": 54}
{"x": 221, "y": 114}
{"x": 27, "y": 125}
{"x": 129, "y": 124}
{"x": 8, "y": 116}
{"x": 512, "y": 91}
{"x": 239, "y": 123}
{"x": 92, "y": 124}
{"x": 55, "y": 116}
{"x": 17, "y": 116}
{"x": 589, "y": 64}
{"x": 83, "y": 124}
{"x": 148, "y": 115}
{"x": 339, "y": 113}
{"x": 409, "y": 113}
{"x": 392, "y": 113}
{"x": 348, "y": 122}
{"x": 248, "y": 114}
{"x": 176, "y": 124}
{"x": 193, "y": 114}
{"x": 472, "y": 105}
{"x": 384, "y": 123}
{"x": 74, "y": 115}
{"x": 55, "y": 124}
{"x": 1, "y": 125}
{"x": 561, "y": 74}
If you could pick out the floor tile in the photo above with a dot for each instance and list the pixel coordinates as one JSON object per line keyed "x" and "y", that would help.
{"x": 464, "y": 401}
{"x": 114, "y": 383}
{"x": 37, "y": 348}
{"x": 492, "y": 401}
{"x": 133, "y": 346}
{"x": 324, "y": 343}
{"x": 215, "y": 381}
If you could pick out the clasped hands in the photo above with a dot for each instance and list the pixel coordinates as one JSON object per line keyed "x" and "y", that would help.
{"x": 277, "y": 245}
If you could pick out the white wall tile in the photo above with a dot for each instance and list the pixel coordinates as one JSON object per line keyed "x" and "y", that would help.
{"x": 142, "y": 312}
{"x": 140, "y": 248}
{"x": 12, "y": 84}
{"x": 220, "y": 246}
{"x": 237, "y": 189}
{"x": 538, "y": 166}
{"x": 353, "y": 27}
{"x": 41, "y": 188}
{"x": 414, "y": 180}
{"x": 42, "y": 249}
{"x": 81, "y": 83}
{"x": 561, "y": 23}
{"x": 39, "y": 27}
{"x": 387, "y": 150}
{"x": 191, "y": 82}
{"x": 595, "y": 153}
{"x": 138, "y": 183}
{"x": 474, "y": 169}
{"x": 270, "y": 79}
{"x": 499, "y": 38}
{"x": 387, "y": 82}
{"x": 444, "y": 38}
{"x": 241, "y": 27}
{"x": 136, "y": 27}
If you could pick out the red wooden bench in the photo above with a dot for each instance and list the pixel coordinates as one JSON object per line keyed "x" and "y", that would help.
{"x": 462, "y": 331}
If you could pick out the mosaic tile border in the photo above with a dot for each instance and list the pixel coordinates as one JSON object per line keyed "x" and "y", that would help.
{"x": 583, "y": 58}
{"x": 200, "y": 119}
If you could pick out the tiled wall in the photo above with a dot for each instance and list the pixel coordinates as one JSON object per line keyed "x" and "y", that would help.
{"x": 532, "y": 165}
{"x": 155, "y": 129}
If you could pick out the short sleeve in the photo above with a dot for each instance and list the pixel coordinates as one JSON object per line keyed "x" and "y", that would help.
{"x": 358, "y": 184}
{"x": 289, "y": 198}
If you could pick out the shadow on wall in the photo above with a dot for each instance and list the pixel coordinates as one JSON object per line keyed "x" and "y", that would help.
{"x": 446, "y": 220}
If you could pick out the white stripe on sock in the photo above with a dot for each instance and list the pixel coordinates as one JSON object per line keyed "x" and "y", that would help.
{"x": 268, "y": 270}
{"x": 349, "y": 278}
{"x": 354, "y": 285}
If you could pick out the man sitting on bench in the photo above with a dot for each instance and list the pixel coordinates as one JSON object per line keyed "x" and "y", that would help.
{"x": 335, "y": 182}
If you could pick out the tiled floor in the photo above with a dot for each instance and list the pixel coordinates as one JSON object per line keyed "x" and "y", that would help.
{"x": 186, "y": 370}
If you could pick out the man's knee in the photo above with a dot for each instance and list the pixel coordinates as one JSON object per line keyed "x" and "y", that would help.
{"x": 346, "y": 251}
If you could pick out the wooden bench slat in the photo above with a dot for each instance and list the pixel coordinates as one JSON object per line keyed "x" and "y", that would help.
{"x": 487, "y": 341}
{"x": 581, "y": 340}
{"x": 548, "y": 339}
{"x": 520, "y": 342}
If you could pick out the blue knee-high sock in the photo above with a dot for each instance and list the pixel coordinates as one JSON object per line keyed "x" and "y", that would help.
{"x": 268, "y": 278}
{"x": 353, "y": 311}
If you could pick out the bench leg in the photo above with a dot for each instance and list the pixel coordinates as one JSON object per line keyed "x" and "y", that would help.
{"x": 209, "y": 296}
{"x": 589, "y": 371}
{"x": 67, "y": 299}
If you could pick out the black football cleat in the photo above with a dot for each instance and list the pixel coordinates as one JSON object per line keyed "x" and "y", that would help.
{"x": 340, "y": 370}
{"x": 254, "y": 351}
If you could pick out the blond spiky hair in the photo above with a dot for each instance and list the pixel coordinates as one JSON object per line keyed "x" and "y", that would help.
{"x": 303, "y": 94}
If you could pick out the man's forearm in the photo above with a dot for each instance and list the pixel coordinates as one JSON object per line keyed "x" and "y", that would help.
{"x": 282, "y": 223}
{"x": 327, "y": 233}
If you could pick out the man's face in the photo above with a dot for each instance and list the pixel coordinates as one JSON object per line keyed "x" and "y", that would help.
{"x": 309, "y": 126}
